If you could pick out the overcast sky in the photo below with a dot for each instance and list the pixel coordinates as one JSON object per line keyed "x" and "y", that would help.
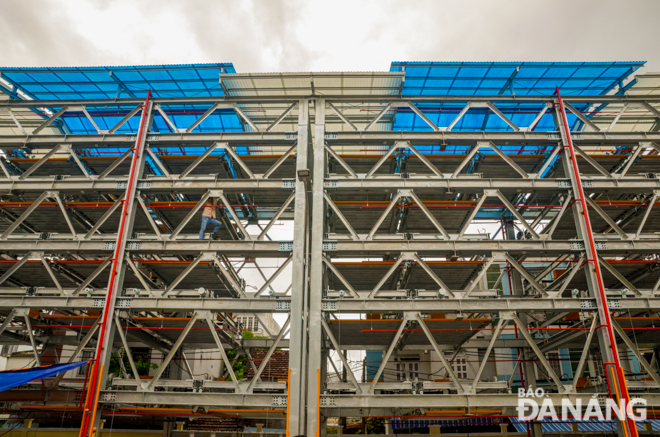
{"x": 332, "y": 35}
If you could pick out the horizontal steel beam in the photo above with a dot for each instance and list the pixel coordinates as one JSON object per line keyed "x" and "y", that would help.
{"x": 190, "y": 383}
{"x": 188, "y": 398}
{"x": 228, "y": 247}
{"x": 431, "y": 401}
{"x": 481, "y": 247}
{"x": 341, "y": 138}
{"x": 200, "y": 184}
{"x": 478, "y": 344}
{"x": 148, "y": 304}
{"x": 155, "y": 139}
{"x": 353, "y": 405}
{"x": 190, "y": 184}
{"x": 511, "y": 343}
{"x": 334, "y": 248}
{"x": 144, "y": 398}
{"x": 348, "y": 305}
{"x": 469, "y": 138}
{"x": 131, "y": 102}
{"x": 427, "y": 401}
{"x": 487, "y": 305}
{"x": 629, "y": 184}
{"x": 9, "y": 337}
{"x": 139, "y": 338}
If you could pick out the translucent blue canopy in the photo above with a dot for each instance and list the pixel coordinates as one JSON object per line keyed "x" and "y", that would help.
{"x": 421, "y": 78}
{"x": 185, "y": 80}
{"x": 502, "y": 78}
{"x": 519, "y": 78}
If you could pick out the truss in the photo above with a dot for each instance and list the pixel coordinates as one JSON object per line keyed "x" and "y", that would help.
{"x": 400, "y": 245}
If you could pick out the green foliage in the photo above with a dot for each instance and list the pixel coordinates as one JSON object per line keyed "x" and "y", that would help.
{"x": 332, "y": 430}
{"x": 375, "y": 425}
{"x": 240, "y": 366}
{"x": 250, "y": 334}
{"x": 142, "y": 365}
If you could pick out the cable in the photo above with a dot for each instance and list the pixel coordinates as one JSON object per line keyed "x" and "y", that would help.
{"x": 16, "y": 426}
{"x": 206, "y": 375}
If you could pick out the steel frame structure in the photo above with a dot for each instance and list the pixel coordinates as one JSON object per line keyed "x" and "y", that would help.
{"x": 317, "y": 190}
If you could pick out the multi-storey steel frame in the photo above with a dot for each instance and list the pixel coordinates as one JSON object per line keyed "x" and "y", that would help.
{"x": 585, "y": 214}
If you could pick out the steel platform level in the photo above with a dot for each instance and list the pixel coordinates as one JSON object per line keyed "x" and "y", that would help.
{"x": 417, "y": 243}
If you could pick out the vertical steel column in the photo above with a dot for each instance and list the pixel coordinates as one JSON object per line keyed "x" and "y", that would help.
{"x": 613, "y": 370}
{"x": 315, "y": 328}
{"x": 91, "y": 420}
{"x": 296, "y": 398}
{"x": 527, "y": 365}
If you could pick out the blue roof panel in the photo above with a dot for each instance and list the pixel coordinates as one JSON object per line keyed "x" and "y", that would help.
{"x": 184, "y": 80}
{"x": 422, "y": 78}
{"x": 501, "y": 78}
{"x": 587, "y": 78}
{"x": 164, "y": 80}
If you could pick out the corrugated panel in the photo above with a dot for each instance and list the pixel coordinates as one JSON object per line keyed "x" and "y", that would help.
{"x": 520, "y": 78}
{"x": 634, "y": 118}
{"x": 300, "y": 84}
{"x": 327, "y": 84}
{"x": 585, "y": 426}
{"x": 184, "y": 80}
{"x": 647, "y": 84}
{"x": 501, "y": 78}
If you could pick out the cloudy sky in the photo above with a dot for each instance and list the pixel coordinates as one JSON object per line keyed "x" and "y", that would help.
{"x": 297, "y": 35}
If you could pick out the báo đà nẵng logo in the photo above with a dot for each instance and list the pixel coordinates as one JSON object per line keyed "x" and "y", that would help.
{"x": 534, "y": 404}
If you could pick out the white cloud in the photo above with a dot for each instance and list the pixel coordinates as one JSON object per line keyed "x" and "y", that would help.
{"x": 296, "y": 35}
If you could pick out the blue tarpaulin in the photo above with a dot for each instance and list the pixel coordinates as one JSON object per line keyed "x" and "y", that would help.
{"x": 14, "y": 378}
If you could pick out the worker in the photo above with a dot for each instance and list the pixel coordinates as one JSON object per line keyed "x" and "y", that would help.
{"x": 208, "y": 217}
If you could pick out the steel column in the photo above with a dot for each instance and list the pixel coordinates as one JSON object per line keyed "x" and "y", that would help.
{"x": 608, "y": 348}
{"x": 115, "y": 284}
{"x": 296, "y": 398}
{"x": 317, "y": 230}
